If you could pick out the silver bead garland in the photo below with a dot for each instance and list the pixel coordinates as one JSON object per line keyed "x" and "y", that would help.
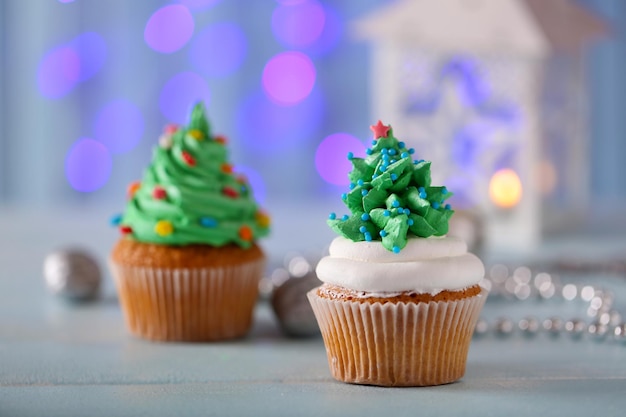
{"x": 599, "y": 321}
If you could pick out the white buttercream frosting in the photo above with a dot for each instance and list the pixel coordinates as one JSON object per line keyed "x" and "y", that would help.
{"x": 424, "y": 265}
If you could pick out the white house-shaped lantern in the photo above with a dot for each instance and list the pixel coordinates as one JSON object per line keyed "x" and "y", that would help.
{"x": 493, "y": 92}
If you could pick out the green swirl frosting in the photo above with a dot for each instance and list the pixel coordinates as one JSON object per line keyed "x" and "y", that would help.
{"x": 391, "y": 197}
{"x": 189, "y": 194}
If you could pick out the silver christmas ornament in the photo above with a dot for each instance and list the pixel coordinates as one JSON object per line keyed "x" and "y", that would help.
{"x": 289, "y": 302}
{"x": 72, "y": 274}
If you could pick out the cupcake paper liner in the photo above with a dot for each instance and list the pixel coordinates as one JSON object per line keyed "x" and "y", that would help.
{"x": 200, "y": 304}
{"x": 401, "y": 344}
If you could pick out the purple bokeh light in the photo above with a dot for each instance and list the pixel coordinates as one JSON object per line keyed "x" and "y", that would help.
{"x": 169, "y": 28}
{"x": 289, "y": 77}
{"x": 180, "y": 93}
{"x": 255, "y": 180}
{"x": 119, "y": 126}
{"x": 88, "y": 165}
{"x": 331, "y": 159}
{"x": 298, "y": 25}
{"x": 91, "y": 49}
{"x": 66, "y": 1}
{"x": 265, "y": 126}
{"x": 58, "y": 72}
{"x": 219, "y": 49}
{"x": 199, "y": 4}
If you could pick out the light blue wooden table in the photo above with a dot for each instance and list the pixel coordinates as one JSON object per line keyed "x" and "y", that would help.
{"x": 58, "y": 359}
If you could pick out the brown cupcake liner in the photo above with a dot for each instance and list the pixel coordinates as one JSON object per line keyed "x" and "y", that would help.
{"x": 199, "y": 304}
{"x": 397, "y": 344}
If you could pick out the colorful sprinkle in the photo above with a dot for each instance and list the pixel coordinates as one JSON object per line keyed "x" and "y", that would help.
{"x": 126, "y": 230}
{"x": 396, "y": 203}
{"x": 196, "y": 134}
{"x": 208, "y": 222}
{"x": 345, "y": 217}
{"x": 171, "y": 129}
{"x": 230, "y": 192}
{"x": 404, "y": 155}
{"x": 360, "y": 182}
{"x": 365, "y": 217}
{"x": 373, "y": 143}
{"x": 227, "y": 168}
{"x": 444, "y": 191}
{"x": 384, "y": 151}
{"x": 115, "y": 220}
{"x": 189, "y": 160}
{"x": 411, "y": 151}
{"x": 165, "y": 141}
{"x": 448, "y": 207}
{"x": 344, "y": 196}
{"x": 362, "y": 229}
{"x": 241, "y": 179}
{"x": 350, "y": 156}
{"x": 159, "y": 193}
{"x": 401, "y": 145}
{"x": 263, "y": 219}
{"x": 396, "y": 249}
{"x": 382, "y": 233}
{"x": 368, "y": 236}
{"x": 368, "y": 151}
{"x": 435, "y": 205}
{"x": 132, "y": 188}
{"x": 363, "y": 193}
{"x": 163, "y": 228}
{"x": 392, "y": 151}
{"x": 245, "y": 233}
{"x": 407, "y": 211}
{"x": 352, "y": 185}
{"x": 385, "y": 157}
{"x": 410, "y": 222}
{"x": 382, "y": 168}
{"x": 221, "y": 139}
{"x": 332, "y": 216}
{"x": 386, "y": 213}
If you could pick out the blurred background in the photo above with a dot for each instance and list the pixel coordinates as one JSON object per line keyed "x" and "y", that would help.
{"x": 518, "y": 103}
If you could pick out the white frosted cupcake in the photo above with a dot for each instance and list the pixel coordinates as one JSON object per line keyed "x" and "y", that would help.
{"x": 400, "y": 300}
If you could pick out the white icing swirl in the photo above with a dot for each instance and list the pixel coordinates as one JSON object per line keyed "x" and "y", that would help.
{"x": 425, "y": 265}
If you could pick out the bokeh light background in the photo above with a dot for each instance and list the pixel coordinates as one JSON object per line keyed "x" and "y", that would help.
{"x": 87, "y": 86}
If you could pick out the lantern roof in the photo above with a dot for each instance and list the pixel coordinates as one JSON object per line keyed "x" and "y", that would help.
{"x": 530, "y": 27}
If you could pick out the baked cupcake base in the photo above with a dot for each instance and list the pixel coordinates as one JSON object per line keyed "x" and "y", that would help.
{"x": 394, "y": 341}
{"x": 194, "y": 293}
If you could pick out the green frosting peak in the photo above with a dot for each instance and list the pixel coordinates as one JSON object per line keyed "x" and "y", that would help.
{"x": 190, "y": 195}
{"x": 391, "y": 197}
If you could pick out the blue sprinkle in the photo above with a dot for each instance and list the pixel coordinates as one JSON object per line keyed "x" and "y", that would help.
{"x": 344, "y": 196}
{"x": 423, "y": 194}
{"x": 411, "y": 151}
{"x": 374, "y": 142}
{"x": 401, "y": 145}
{"x": 368, "y": 237}
{"x": 386, "y": 213}
{"x": 350, "y": 155}
{"x": 410, "y": 222}
{"x": 208, "y": 222}
{"x": 448, "y": 207}
{"x": 382, "y": 233}
{"x": 382, "y": 168}
{"x": 362, "y": 229}
{"x": 385, "y": 157}
{"x": 396, "y": 249}
{"x": 365, "y": 217}
{"x": 116, "y": 220}
{"x": 435, "y": 205}
{"x": 384, "y": 151}
{"x": 368, "y": 151}
{"x": 393, "y": 161}
{"x": 392, "y": 151}
{"x": 415, "y": 161}
{"x": 407, "y": 211}
{"x": 352, "y": 185}
{"x": 394, "y": 177}
{"x": 345, "y": 217}
{"x": 444, "y": 191}
{"x": 404, "y": 155}
{"x": 396, "y": 203}
{"x": 421, "y": 189}
{"x": 374, "y": 176}
{"x": 363, "y": 193}
{"x": 332, "y": 216}
{"x": 359, "y": 182}
{"x": 420, "y": 161}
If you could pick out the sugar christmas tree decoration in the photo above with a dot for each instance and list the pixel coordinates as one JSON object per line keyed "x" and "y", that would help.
{"x": 190, "y": 195}
{"x": 391, "y": 197}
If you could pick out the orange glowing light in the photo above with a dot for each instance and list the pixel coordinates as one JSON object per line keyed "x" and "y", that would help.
{"x": 505, "y": 188}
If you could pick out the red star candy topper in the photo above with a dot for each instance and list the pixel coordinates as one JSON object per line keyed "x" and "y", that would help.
{"x": 380, "y": 130}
